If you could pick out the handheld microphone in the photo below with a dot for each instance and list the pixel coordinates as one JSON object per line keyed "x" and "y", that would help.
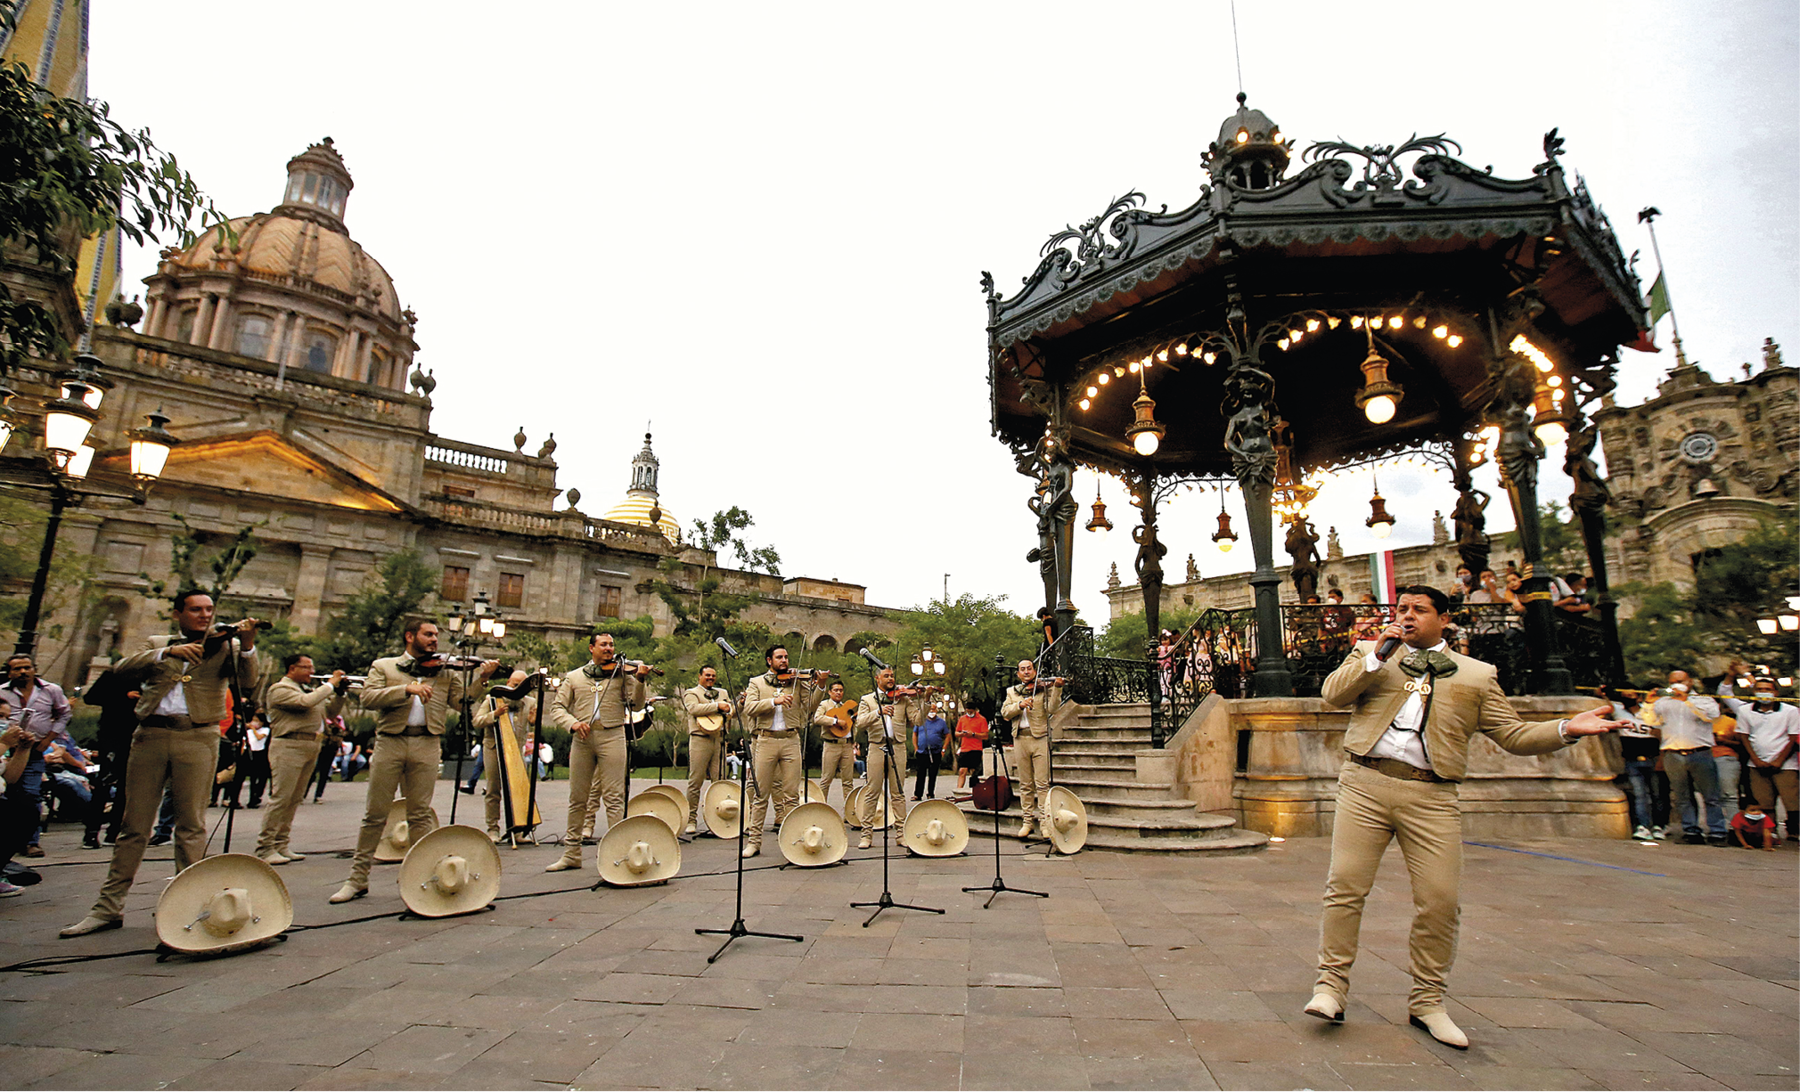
{"x": 725, "y": 647}
{"x": 873, "y": 659}
{"x": 1387, "y": 647}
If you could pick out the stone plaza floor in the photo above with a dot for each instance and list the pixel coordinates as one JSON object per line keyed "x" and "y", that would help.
{"x": 1583, "y": 964}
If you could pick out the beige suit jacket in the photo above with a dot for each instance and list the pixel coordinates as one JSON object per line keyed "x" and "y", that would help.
{"x": 759, "y": 703}
{"x": 296, "y": 714}
{"x": 1040, "y": 706}
{"x": 909, "y": 713}
{"x": 699, "y": 700}
{"x": 523, "y": 712}
{"x": 384, "y": 691}
{"x": 602, "y": 703}
{"x": 204, "y": 683}
{"x": 1462, "y": 704}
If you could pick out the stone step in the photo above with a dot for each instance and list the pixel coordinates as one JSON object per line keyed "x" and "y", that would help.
{"x": 1077, "y": 734}
{"x": 1112, "y": 760}
{"x": 1218, "y": 836}
{"x": 1108, "y": 720}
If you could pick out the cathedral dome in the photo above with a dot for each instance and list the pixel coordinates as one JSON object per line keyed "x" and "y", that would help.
{"x": 640, "y": 506}
{"x": 289, "y": 286}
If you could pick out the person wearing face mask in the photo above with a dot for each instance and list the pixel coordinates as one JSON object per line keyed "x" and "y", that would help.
{"x": 1772, "y": 730}
{"x": 1686, "y": 720}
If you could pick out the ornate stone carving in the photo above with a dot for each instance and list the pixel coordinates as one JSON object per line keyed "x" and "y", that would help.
{"x": 1302, "y": 546}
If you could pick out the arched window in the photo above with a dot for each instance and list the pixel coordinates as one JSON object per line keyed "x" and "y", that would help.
{"x": 321, "y": 349}
{"x": 184, "y": 326}
{"x": 825, "y": 643}
{"x": 253, "y": 336}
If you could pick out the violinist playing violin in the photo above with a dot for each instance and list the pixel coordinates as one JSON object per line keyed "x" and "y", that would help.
{"x": 1029, "y": 705}
{"x": 410, "y": 695}
{"x": 887, "y": 713}
{"x": 185, "y": 680}
{"x": 592, "y": 704}
{"x": 778, "y": 704}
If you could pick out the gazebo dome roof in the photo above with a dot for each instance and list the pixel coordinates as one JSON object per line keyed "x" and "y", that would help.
{"x": 1252, "y": 123}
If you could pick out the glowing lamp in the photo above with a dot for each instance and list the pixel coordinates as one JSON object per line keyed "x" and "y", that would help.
{"x": 1379, "y": 396}
{"x": 150, "y": 447}
{"x": 1144, "y": 432}
{"x": 67, "y": 422}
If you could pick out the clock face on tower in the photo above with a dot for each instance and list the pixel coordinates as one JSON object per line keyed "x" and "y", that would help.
{"x": 1699, "y": 447}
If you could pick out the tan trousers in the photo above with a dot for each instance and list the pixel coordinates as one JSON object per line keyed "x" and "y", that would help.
{"x": 894, "y": 776}
{"x": 706, "y": 762}
{"x": 183, "y": 758}
{"x": 1766, "y": 785}
{"x": 596, "y": 776}
{"x": 495, "y": 772}
{"x": 1373, "y": 809}
{"x": 778, "y": 774}
{"x": 410, "y": 765}
{"x": 1031, "y": 766}
{"x": 839, "y": 764}
{"x": 291, "y": 764}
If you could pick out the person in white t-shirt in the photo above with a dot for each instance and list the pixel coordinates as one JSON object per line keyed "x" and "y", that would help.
{"x": 1771, "y": 731}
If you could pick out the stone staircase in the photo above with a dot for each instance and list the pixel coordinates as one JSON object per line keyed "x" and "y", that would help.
{"x": 1096, "y": 758}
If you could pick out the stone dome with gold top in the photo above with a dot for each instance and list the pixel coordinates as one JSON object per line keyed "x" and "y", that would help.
{"x": 640, "y": 506}
{"x": 289, "y": 286}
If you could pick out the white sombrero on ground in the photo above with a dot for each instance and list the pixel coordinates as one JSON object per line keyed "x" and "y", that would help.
{"x": 452, "y": 870}
{"x": 1068, "y": 820}
{"x": 639, "y": 850}
{"x": 813, "y": 835}
{"x": 224, "y": 903}
{"x": 935, "y": 828}
{"x": 398, "y": 836}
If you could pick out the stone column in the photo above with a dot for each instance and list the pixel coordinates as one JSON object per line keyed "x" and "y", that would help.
{"x": 153, "y": 321}
{"x": 343, "y": 365}
{"x": 220, "y": 325}
{"x": 365, "y": 345}
{"x": 309, "y": 586}
{"x": 281, "y": 325}
{"x": 202, "y": 321}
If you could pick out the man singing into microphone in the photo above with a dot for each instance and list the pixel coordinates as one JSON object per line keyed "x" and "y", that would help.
{"x": 777, "y": 704}
{"x": 1414, "y": 706}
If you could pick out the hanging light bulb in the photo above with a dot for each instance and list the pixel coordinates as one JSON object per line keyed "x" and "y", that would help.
{"x": 1550, "y": 420}
{"x": 1224, "y": 536}
{"x": 1312, "y": 324}
{"x": 1099, "y": 522}
{"x": 1453, "y": 340}
{"x": 1105, "y": 378}
{"x": 1379, "y": 523}
{"x": 1144, "y": 432}
{"x": 1379, "y": 396}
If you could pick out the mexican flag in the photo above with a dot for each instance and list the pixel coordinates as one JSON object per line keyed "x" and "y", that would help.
{"x": 1381, "y": 576}
{"x": 1658, "y": 299}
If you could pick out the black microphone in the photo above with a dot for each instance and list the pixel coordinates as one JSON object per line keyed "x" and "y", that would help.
{"x": 873, "y": 659}
{"x": 725, "y": 646}
{"x": 1386, "y": 648}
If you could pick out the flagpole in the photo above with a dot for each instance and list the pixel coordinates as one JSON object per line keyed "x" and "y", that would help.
{"x": 1647, "y": 217}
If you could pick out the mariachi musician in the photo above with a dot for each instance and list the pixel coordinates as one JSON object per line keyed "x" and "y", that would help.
{"x": 296, "y": 724}
{"x": 778, "y": 704}
{"x": 592, "y": 704}
{"x": 837, "y": 754}
{"x": 888, "y": 714}
{"x": 1029, "y": 705}
{"x": 706, "y": 707}
{"x": 411, "y": 694}
{"x": 486, "y": 717}
{"x": 186, "y": 678}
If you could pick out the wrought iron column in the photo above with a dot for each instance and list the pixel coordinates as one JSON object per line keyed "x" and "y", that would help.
{"x": 34, "y": 606}
{"x": 1249, "y": 438}
{"x": 1588, "y": 502}
{"x": 1520, "y": 452}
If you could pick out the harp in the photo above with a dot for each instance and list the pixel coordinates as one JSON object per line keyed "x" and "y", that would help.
{"x": 518, "y": 803}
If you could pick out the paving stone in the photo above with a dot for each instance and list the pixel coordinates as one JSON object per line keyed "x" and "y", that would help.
{"x": 1012, "y": 1070}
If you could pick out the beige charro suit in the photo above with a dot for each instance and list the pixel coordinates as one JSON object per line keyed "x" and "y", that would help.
{"x": 602, "y": 703}
{"x": 706, "y": 750}
{"x": 486, "y": 716}
{"x": 1374, "y": 808}
{"x": 1030, "y": 714}
{"x": 908, "y": 714}
{"x": 837, "y": 757}
{"x": 180, "y": 752}
{"x": 778, "y": 757}
{"x": 405, "y": 758}
{"x": 296, "y": 725}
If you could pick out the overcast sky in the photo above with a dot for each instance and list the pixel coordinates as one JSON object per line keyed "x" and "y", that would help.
{"x": 761, "y": 226}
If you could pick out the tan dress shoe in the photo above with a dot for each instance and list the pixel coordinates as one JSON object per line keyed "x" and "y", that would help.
{"x": 1325, "y": 1007}
{"x": 752, "y": 849}
{"x": 865, "y": 843}
{"x": 349, "y": 891}
{"x": 91, "y": 924}
{"x": 564, "y": 864}
{"x": 275, "y": 859}
{"x": 291, "y": 855}
{"x": 1440, "y": 1027}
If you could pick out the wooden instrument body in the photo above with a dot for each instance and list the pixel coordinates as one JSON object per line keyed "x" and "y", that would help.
{"x": 515, "y": 777}
{"x": 986, "y": 789}
{"x": 844, "y": 713}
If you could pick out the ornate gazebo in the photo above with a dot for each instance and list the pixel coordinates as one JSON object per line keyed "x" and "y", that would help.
{"x": 1298, "y": 318}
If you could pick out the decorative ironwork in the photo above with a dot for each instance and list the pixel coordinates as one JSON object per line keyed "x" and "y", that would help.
{"x": 1075, "y": 252}
{"x": 1382, "y": 175}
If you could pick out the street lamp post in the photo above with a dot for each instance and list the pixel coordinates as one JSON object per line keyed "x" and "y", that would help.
{"x": 62, "y": 467}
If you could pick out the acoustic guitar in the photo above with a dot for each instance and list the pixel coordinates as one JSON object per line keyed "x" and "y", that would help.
{"x": 844, "y": 713}
{"x": 712, "y": 723}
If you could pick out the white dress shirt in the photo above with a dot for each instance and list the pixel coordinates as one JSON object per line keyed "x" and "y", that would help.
{"x": 1405, "y": 738}
{"x": 174, "y": 703}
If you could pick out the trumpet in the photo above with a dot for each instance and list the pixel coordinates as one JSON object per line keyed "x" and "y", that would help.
{"x": 351, "y": 682}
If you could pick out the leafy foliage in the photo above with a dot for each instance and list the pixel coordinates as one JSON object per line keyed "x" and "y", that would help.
{"x": 188, "y": 547}
{"x": 72, "y": 572}
{"x": 1563, "y": 547}
{"x": 967, "y": 634}
{"x": 1127, "y": 637}
{"x": 1662, "y": 635}
{"x": 68, "y": 171}
{"x": 371, "y": 622}
{"x": 705, "y": 610}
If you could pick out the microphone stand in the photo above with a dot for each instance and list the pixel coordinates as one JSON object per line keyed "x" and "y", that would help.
{"x": 462, "y": 744}
{"x": 888, "y": 780}
{"x": 236, "y": 735}
{"x": 746, "y": 776}
{"x": 999, "y": 884}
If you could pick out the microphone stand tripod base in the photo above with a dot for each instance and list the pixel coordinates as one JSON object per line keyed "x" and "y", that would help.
{"x": 886, "y": 901}
{"x": 738, "y": 928}
{"x": 999, "y": 884}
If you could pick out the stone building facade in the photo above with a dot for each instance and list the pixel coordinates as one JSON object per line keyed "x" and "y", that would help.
{"x": 280, "y": 354}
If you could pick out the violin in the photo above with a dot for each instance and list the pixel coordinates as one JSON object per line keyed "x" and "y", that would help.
{"x": 912, "y": 691}
{"x": 431, "y": 665}
{"x": 791, "y": 676}
{"x": 618, "y": 665}
{"x": 1041, "y": 684}
{"x": 223, "y": 631}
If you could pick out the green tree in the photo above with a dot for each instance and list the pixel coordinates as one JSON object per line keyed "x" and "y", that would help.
{"x": 68, "y": 171}
{"x": 71, "y": 571}
{"x": 369, "y": 627}
{"x": 705, "y": 610}
{"x": 966, "y": 634}
{"x": 1563, "y": 547}
{"x": 188, "y": 548}
{"x": 1662, "y": 634}
{"x": 1127, "y": 637}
